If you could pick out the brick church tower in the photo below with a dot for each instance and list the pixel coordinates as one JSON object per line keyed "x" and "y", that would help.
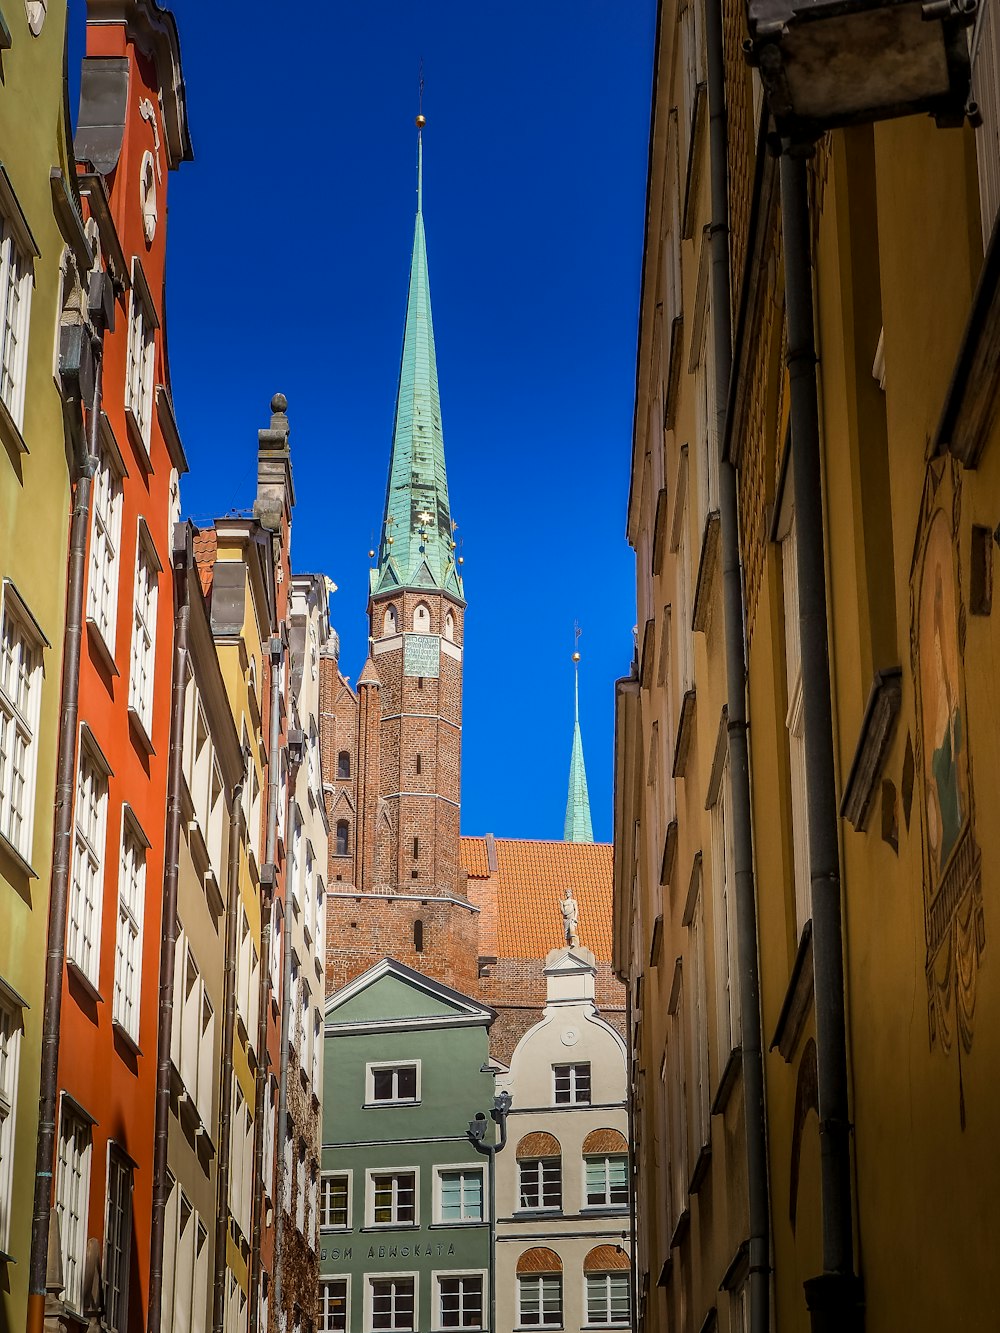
{"x": 396, "y": 886}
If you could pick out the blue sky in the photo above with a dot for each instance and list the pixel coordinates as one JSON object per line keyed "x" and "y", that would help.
{"x": 290, "y": 239}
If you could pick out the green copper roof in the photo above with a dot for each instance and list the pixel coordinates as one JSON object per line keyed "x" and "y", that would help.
{"x": 417, "y": 546}
{"x": 578, "y": 826}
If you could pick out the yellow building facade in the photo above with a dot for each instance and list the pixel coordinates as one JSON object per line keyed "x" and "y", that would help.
{"x": 803, "y": 874}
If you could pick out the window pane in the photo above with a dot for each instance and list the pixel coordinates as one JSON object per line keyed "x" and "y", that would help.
{"x": 382, "y": 1079}
{"x": 407, "y": 1083}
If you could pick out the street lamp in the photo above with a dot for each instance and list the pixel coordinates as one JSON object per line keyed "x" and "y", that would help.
{"x": 476, "y": 1134}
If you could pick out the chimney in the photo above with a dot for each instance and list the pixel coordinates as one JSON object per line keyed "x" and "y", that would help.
{"x": 275, "y": 492}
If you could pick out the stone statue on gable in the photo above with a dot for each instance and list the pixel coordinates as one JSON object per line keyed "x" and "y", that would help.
{"x": 570, "y": 909}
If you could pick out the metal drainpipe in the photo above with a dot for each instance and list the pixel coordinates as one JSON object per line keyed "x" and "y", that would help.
{"x": 285, "y": 1034}
{"x": 754, "y": 1107}
{"x": 501, "y": 1108}
{"x": 276, "y": 656}
{"x": 182, "y": 556}
{"x": 630, "y": 1084}
{"x": 226, "y": 1075}
{"x": 834, "y": 1298}
{"x": 62, "y": 860}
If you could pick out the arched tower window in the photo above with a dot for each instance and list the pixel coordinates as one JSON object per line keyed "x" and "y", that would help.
{"x": 422, "y": 618}
{"x": 343, "y": 837}
{"x": 449, "y": 627}
{"x": 390, "y": 622}
{"x": 418, "y": 937}
{"x": 343, "y": 764}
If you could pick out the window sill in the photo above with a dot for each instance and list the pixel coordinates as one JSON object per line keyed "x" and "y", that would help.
{"x": 392, "y": 1226}
{"x": 465, "y": 1222}
{"x": 728, "y": 1080}
{"x": 75, "y": 970}
{"x": 105, "y": 651}
{"x": 139, "y": 730}
{"x": 22, "y": 865}
{"x": 139, "y": 444}
{"x": 7, "y": 1258}
{"x": 604, "y": 1209}
{"x": 10, "y": 432}
{"x": 334, "y": 1231}
{"x": 378, "y": 1106}
{"x": 526, "y": 1214}
{"x": 125, "y": 1036}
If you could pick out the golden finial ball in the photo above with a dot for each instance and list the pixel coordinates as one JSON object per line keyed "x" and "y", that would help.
{"x": 371, "y": 555}
{"x": 420, "y": 122}
{"x": 576, "y": 657}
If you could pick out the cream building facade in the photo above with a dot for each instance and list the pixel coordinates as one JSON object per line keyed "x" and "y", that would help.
{"x": 563, "y": 1230}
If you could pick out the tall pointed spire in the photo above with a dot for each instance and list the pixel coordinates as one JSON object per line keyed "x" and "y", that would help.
{"x": 578, "y": 826}
{"x": 417, "y": 547}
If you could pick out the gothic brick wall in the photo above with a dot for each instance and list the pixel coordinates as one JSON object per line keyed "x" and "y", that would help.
{"x": 361, "y": 931}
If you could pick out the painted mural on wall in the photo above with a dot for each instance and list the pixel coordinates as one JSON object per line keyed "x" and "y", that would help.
{"x": 952, "y": 879}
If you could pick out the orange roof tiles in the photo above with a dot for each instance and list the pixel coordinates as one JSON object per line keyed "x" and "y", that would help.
{"x": 206, "y": 545}
{"x": 530, "y": 881}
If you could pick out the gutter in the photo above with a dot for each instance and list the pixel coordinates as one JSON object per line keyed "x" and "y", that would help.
{"x": 62, "y": 854}
{"x": 226, "y": 1077}
{"x": 834, "y": 1297}
{"x": 747, "y": 945}
{"x": 183, "y": 556}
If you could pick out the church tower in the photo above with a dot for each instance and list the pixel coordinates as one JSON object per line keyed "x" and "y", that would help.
{"x": 409, "y": 899}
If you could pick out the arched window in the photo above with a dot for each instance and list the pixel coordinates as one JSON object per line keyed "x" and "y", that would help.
{"x": 605, "y": 1158}
{"x": 418, "y": 937}
{"x": 539, "y": 1172}
{"x": 422, "y": 618}
{"x": 606, "y": 1272}
{"x": 539, "y": 1288}
{"x": 343, "y": 764}
{"x": 449, "y": 627}
{"x": 389, "y": 620}
{"x": 343, "y": 837}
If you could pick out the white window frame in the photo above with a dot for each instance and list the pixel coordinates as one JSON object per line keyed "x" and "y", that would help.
{"x": 464, "y": 1169}
{"x": 452, "y": 1274}
{"x": 379, "y": 1066}
{"x": 90, "y": 825}
{"x": 622, "y": 1274}
{"x": 142, "y": 672}
{"x": 129, "y": 934}
{"x": 574, "y": 1080}
{"x": 21, "y": 680}
{"x": 794, "y": 718}
{"x": 523, "y": 1279}
{"x": 727, "y": 998}
{"x": 538, "y": 1163}
{"x": 604, "y": 1158}
{"x": 117, "y": 1239}
{"x": 370, "y": 1280}
{"x": 17, "y": 254}
{"x": 700, "y": 1058}
{"x": 141, "y": 360}
{"x": 323, "y": 1324}
{"x": 72, "y": 1198}
{"x": 677, "y": 1103}
{"x": 394, "y": 1172}
{"x": 104, "y": 568}
{"x": 11, "y": 1033}
{"x": 329, "y": 1176}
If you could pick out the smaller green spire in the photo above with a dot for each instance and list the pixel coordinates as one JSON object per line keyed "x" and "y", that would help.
{"x": 578, "y": 826}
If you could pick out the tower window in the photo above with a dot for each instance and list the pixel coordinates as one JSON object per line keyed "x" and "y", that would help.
{"x": 422, "y": 619}
{"x": 343, "y": 764}
{"x": 343, "y": 837}
{"x": 419, "y": 764}
{"x": 416, "y": 848}
{"x": 418, "y": 937}
{"x": 389, "y": 622}
{"x": 449, "y": 627}
{"x": 420, "y": 682}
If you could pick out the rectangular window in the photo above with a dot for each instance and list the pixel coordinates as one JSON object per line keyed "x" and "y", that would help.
{"x": 461, "y": 1196}
{"x": 723, "y": 879}
{"x": 105, "y": 540}
{"x": 393, "y": 1083}
{"x": 460, "y": 1301}
{"x": 607, "y": 1181}
{"x": 333, "y": 1306}
{"x": 72, "y": 1201}
{"x": 394, "y": 1198}
{"x": 128, "y": 949}
{"x": 540, "y": 1183}
{"x": 608, "y": 1298}
{"x": 141, "y": 678}
{"x": 84, "y": 926}
{"x": 15, "y": 304}
{"x": 572, "y": 1084}
{"x": 699, "y": 1021}
{"x": 20, "y": 695}
{"x": 11, "y": 1029}
{"x": 539, "y": 1300}
{"x": 192, "y": 1047}
{"x": 185, "y": 1267}
{"x": 795, "y": 718}
{"x": 117, "y": 1242}
{"x": 334, "y": 1202}
{"x": 141, "y": 349}
{"x": 393, "y": 1303}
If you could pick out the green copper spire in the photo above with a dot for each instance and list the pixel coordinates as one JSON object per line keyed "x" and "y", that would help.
{"x": 417, "y": 546}
{"x": 578, "y": 826}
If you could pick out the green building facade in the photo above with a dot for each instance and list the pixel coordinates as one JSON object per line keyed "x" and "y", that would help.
{"x": 404, "y": 1196}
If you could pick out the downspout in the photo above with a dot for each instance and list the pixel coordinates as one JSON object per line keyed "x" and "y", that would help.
{"x": 834, "y": 1298}
{"x": 226, "y": 1075}
{"x": 754, "y": 1107}
{"x": 182, "y": 557}
{"x": 267, "y": 883}
{"x": 501, "y": 1108}
{"x": 62, "y": 856}
{"x": 630, "y": 1076}
{"x": 285, "y": 1035}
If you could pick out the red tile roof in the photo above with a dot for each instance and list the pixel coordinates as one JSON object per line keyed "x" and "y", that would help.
{"x": 530, "y": 881}
{"x": 206, "y": 544}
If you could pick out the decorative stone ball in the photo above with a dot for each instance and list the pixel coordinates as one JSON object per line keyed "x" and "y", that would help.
{"x": 279, "y": 403}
